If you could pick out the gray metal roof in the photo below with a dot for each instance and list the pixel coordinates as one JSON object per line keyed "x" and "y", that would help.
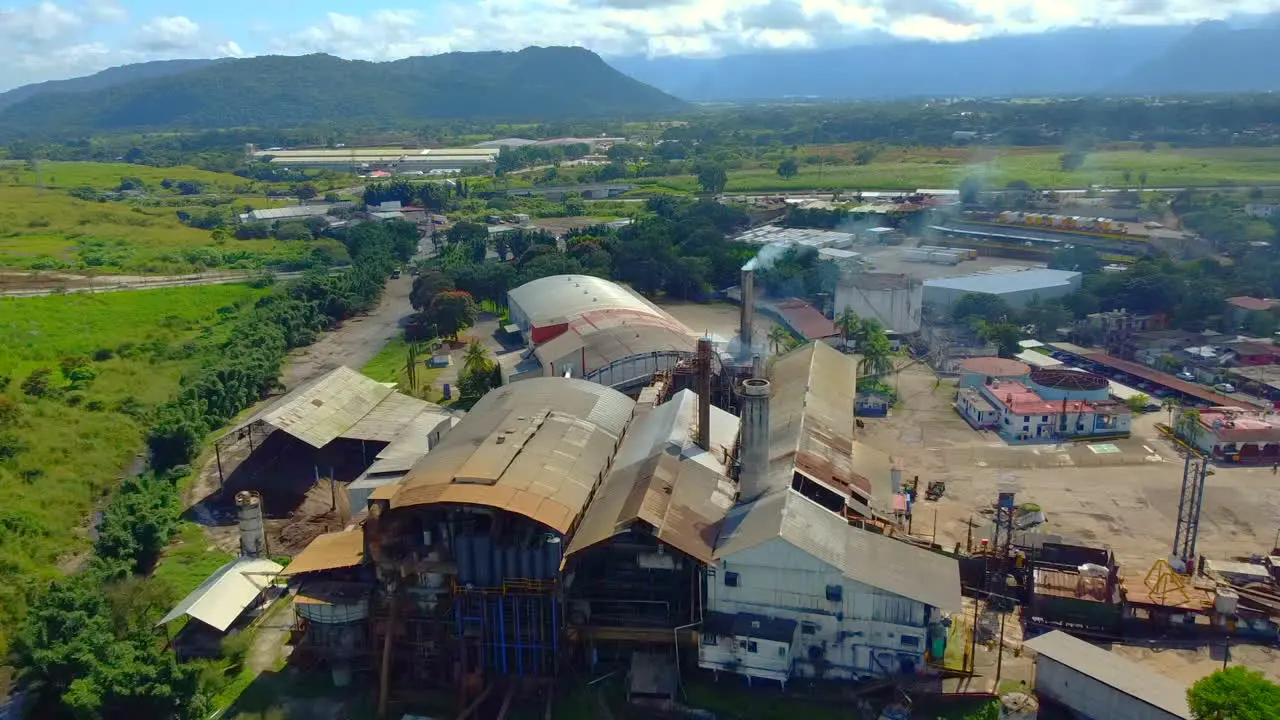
{"x": 559, "y": 298}
{"x": 537, "y": 448}
{"x": 811, "y": 427}
{"x": 226, "y": 593}
{"x": 996, "y": 283}
{"x": 866, "y": 557}
{"x": 342, "y": 403}
{"x": 661, "y": 477}
{"x": 1106, "y": 667}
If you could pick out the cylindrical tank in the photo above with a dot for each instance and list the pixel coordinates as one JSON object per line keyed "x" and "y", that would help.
{"x": 253, "y": 538}
{"x": 1018, "y": 706}
{"x": 753, "y": 477}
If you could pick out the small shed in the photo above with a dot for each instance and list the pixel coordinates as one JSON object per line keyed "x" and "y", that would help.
{"x": 224, "y": 602}
{"x": 1094, "y": 683}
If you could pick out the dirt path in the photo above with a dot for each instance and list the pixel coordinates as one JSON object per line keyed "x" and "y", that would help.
{"x": 353, "y": 344}
{"x": 37, "y": 284}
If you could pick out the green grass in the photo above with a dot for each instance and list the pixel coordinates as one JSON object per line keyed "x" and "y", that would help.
{"x": 189, "y": 561}
{"x": 389, "y": 366}
{"x": 76, "y": 444}
{"x": 911, "y": 168}
{"x": 106, "y": 176}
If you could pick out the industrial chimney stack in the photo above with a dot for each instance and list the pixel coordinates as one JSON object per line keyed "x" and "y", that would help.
{"x": 753, "y": 446}
{"x": 748, "y": 312}
{"x": 704, "y": 393}
{"x": 253, "y": 537}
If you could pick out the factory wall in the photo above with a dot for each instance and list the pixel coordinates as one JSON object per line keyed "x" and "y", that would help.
{"x": 898, "y": 309}
{"x": 865, "y": 632}
{"x": 1091, "y": 699}
{"x": 946, "y": 297}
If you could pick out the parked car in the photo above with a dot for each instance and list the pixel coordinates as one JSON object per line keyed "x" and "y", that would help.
{"x": 1225, "y": 387}
{"x": 1186, "y": 376}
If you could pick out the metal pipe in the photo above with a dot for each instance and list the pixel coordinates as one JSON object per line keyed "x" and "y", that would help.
{"x": 704, "y": 393}
{"x": 747, "y": 316}
{"x": 675, "y": 643}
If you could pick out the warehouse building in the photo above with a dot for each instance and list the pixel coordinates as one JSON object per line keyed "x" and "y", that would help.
{"x": 892, "y": 299}
{"x": 579, "y": 324}
{"x": 1099, "y": 685}
{"x": 1017, "y": 289}
{"x": 396, "y": 160}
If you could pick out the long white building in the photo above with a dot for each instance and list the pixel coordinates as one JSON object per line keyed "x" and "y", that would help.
{"x": 1016, "y": 288}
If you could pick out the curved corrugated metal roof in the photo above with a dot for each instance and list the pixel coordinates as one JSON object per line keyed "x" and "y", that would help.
{"x": 564, "y": 298}
{"x": 536, "y": 448}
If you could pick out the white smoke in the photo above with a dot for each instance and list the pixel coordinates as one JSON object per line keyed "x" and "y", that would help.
{"x": 768, "y": 255}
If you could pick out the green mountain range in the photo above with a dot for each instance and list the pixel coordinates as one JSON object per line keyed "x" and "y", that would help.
{"x": 277, "y": 91}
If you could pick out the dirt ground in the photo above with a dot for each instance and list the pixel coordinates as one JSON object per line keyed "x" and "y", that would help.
{"x": 1126, "y": 499}
{"x": 718, "y": 319}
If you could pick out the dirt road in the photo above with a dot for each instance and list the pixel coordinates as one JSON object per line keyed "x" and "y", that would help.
{"x": 37, "y": 284}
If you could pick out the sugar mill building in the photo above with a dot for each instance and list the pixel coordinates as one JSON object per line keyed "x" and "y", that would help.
{"x": 895, "y": 300}
{"x": 1050, "y": 404}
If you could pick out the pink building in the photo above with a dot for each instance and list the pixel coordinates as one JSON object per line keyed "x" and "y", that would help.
{"x": 1020, "y": 413}
{"x": 1236, "y": 435}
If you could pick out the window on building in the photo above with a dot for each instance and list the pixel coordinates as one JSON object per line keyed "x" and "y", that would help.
{"x": 710, "y": 639}
{"x": 782, "y": 651}
{"x": 808, "y": 628}
{"x": 752, "y": 647}
{"x": 910, "y": 641}
{"x": 835, "y": 593}
{"x": 731, "y": 579}
{"x": 1044, "y": 419}
{"x": 742, "y": 644}
{"x": 1026, "y": 418}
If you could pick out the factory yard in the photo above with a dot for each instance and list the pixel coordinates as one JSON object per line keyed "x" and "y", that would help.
{"x": 892, "y": 259}
{"x": 1122, "y": 494}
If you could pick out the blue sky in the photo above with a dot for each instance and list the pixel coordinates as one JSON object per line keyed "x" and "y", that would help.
{"x": 51, "y": 39}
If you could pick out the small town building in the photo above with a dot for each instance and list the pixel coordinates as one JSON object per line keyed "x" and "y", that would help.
{"x": 978, "y": 371}
{"x": 1242, "y": 306}
{"x": 1099, "y": 685}
{"x": 1051, "y": 404}
{"x": 1235, "y": 435}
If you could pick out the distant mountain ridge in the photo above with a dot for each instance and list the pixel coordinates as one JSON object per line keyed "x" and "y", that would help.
{"x": 288, "y": 91}
{"x": 1209, "y": 57}
{"x": 111, "y": 77}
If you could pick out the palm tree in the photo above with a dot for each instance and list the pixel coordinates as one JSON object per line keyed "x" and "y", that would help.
{"x": 779, "y": 338}
{"x": 1169, "y": 405}
{"x": 476, "y": 358}
{"x": 847, "y": 323}
{"x": 877, "y": 358}
{"x": 1189, "y": 425}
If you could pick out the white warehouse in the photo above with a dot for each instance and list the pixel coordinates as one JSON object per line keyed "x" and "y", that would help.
{"x": 893, "y": 299}
{"x": 1017, "y": 289}
{"x": 1099, "y": 685}
{"x": 797, "y": 591}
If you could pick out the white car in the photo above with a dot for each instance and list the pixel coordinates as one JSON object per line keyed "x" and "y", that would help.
{"x": 1186, "y": 376}
{"x": 1225, "y": 387}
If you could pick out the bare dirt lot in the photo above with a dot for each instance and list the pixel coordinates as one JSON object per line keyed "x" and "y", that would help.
{"x": 1126, "y": 499}
{"x": 718, "y": 319}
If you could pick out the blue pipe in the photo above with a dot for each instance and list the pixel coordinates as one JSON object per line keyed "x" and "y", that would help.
{"x": 515, "y": 601}
{"x": 555, "y": 636}
{"x": 502, "y": 636}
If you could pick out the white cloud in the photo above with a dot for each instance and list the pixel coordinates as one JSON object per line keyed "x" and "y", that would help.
{"x": 230, "y": 48}
{"x": 37, "y": 24}
{"x": 106, "y": 11}
{"x": 169, "y": 33}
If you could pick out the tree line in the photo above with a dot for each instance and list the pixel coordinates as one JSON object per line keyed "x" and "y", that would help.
{"x": 87, "y": 648}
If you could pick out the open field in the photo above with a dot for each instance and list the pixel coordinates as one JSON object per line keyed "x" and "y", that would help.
{"x": 106, "y": 176}
{"x": 911, "y": 168}
{"x": 68, "y": 448}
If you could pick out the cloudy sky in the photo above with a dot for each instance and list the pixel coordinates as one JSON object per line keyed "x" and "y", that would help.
{"x": 50, "y": 39}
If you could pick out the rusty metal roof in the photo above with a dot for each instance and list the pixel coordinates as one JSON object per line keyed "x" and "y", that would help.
{"x": 330, "y": 551}
{"x": 863, "y": 556}
{"x": 662, "y": 478}
{"x": 811, "y": 427}
{"x": 341, "y": 403}
{"x": 537, "y": 448}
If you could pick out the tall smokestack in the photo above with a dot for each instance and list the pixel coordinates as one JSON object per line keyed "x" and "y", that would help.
{"x": 757, "y": 366}
{"x": 753, "y": 445}
{"x": 704, "y": 393}
{"x": 748, "y": 315}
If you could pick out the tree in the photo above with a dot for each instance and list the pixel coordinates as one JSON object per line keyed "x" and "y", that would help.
{"x": 1004, "y": 335}
{"x": 877, "y": 357}
{"x": 1138, "y": 402}
{"x": 1142, "y": 179}
{"x": 712, "y": 179}
{"x": 465, "y": 232}
{"x": 476, "y": 358}
{"x": 1128, "y": 175}
{"x": 991, "y": 308}
{"x": 139, "y": 521}
{"x": 426, "y": 286}
{"x": 450, "y": 312}
{"x": 39, "y": 383}
{"x": 1189, "y": 425}
{"x": 305, "y": 191}
{"x": 847, "y": 323}
{"x": 1071, "y": 160}
{"x": 779, "y": 339}
{"x": 1236, "y": 693}
{"x": 788, "y": 168}
{"x": 1169, "y": 405}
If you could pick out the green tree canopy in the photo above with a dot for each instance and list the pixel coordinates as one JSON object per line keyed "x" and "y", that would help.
{"x": 788, "y": 168}
{"x": 1236, "y": 693}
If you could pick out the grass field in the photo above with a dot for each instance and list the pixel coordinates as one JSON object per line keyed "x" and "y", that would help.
{"x": 68, "y": 449}
{"x": 42, "y": 227}
{"x": 911, "y": 168}
{"x": 389, "y": 366}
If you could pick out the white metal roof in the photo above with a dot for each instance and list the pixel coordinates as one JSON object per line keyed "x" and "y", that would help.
{"x": 563, "y": 297}
{"x": 1110, "y": 669}
{"x": 866, "y": 557}
{"x": 226, "y": 593}
{"x": 997, "y": 283}
{"x": 1031, "y": 357}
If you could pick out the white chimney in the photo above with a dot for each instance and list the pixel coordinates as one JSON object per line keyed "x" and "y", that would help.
{"x": 748, "y": 312}
{"x": 753, "y": 445}
{"x": 253, "y": 537}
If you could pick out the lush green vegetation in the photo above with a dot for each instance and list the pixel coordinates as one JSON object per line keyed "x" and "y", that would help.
{"x": 1236, "y": 693}
{"x": 69, "y": 440}
{"x": 117, "y": 217}
{"x": 279, "y": 91}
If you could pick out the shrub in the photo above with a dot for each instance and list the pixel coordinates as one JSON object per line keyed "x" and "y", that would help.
{"x": 10, "y": 445}
{"x": 103, "y": 354}
{"x": 39, "y": 383}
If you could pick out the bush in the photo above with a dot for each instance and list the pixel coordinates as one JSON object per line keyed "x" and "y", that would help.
{"x": 103, "y": 354}
{"x": 10, "y": 412}
{"x": 73, "y": 399}
{"x": 11, "y": 446}
{"x": 139, "y": 521}
{"x": 39, "y": 383}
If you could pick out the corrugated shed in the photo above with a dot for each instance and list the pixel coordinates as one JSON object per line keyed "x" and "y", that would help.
{"x": 226, "y": 593}
{"x": 342, "y": 403}
{"x": 537, "y": 448}
{"x": 1110, "y": 669}
{"x": 866, "y": 557}
{"x": 330, "y": 551}
{"x": 811, "y": 427}
{"x": 662, "y": 478}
